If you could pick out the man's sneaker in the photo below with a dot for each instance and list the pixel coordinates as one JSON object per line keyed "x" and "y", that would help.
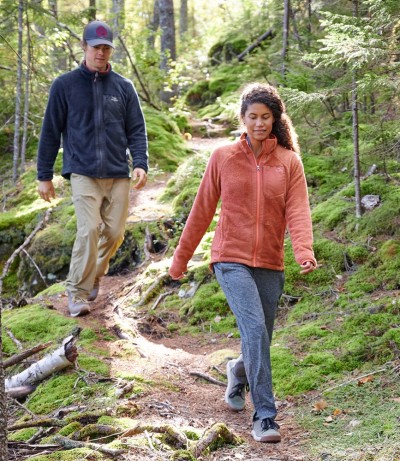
{"x": 265, "y": 430}
{"x": 95, "y": 290}
{"x": 235, "y": 393}
{"x": 77, "y": 306}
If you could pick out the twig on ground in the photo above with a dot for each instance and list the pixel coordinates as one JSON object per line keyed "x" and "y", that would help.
{"x": 207, "y": 378}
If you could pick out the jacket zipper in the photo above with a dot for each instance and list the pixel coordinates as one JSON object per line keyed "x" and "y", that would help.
{"x": 258, "y": 177}
{"x": 97, "y": 122}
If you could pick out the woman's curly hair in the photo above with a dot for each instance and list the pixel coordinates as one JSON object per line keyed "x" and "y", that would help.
{"x": 267, "y": 94}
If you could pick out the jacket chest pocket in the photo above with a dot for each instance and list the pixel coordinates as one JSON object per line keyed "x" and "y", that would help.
{"x": 273, "y": 181}
{"x": 113, "y": 109}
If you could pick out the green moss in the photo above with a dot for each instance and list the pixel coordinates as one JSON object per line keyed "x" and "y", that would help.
{"x": 94, "y": 365}
{"x": 71, "y": 455}
{"x": 70, "y": 429}
{"x": 166, "y": 145}
{"x": 22, "y": 435}
{"x": 47, "y": 325}
{"x": 56, "y": 392}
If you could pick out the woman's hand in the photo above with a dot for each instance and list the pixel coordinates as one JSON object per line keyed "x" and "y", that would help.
{"x": 307, "y": 266}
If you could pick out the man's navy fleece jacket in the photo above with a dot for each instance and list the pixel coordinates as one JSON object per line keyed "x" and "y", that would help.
{"x": 99, "y": 117}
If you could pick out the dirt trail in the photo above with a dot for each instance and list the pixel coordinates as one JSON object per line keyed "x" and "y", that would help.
{"x": 184, "y": 399}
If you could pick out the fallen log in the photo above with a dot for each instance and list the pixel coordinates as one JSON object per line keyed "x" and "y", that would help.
{"x": 57, "y": 360}
{"x": 17, "y": 358}
{"x": 261, "y": 38}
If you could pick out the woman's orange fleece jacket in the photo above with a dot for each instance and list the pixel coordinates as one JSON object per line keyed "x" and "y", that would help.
{"x": 260, "y": 198}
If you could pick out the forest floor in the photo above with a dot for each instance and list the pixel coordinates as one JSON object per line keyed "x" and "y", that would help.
{"x": 187, "y": 400}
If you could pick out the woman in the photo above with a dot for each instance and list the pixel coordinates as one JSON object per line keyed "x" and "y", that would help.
{"x": 261, "y": 183}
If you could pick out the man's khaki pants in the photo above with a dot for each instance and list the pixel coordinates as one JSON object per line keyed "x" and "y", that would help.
{"x": 101, "y": 208}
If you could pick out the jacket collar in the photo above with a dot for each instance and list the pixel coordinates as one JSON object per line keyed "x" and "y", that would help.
{"x": 269, "y": 145}
{"x": 89, "y": 74}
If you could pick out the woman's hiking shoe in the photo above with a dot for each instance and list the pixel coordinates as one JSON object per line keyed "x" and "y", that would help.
{"x": 95, "y": 290}
{"x": 235, "y": 393}
{"x": 265, "y": 430}
{"x": 77, "y": 306}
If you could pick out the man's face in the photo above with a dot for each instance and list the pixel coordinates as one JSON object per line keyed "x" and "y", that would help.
{"x": 97, "y": 57}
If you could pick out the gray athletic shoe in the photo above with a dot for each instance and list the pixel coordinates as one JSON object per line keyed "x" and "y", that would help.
{"x": 95, "y": 290}
{"x": 77, "y": 306}
{"x": 235, "y": 393}
{"x": 265, "y": 430}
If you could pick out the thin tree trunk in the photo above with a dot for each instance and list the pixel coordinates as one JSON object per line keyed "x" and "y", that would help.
{"x": 92, "y": 10}
{"x": 18, "y": 93}
{"x": 183, "y": 19}
{"x": 309, "y": 30}
{"x": 118, "y": 13}
{"x": 285, "y": 40}
{"x": 27, "y": 94}
{"x": 167, "y": 25}
{"x": 356, "y": 150}
{"x": 168, "y": 45}
{"x": 154, "y": 24}
{"x": 3, "y": 404}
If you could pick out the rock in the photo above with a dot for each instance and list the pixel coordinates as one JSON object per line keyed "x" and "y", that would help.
{"x": 369, "y": 202}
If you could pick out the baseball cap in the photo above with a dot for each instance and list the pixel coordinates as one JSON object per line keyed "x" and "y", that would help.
{"x": 98, "y": 33}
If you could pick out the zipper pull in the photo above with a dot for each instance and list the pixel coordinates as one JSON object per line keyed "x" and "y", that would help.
{"x": 258, "y": 167}
{"x": 95, "y": 76}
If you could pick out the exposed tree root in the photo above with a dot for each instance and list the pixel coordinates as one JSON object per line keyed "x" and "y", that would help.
{"x": 215, "y": 437}
{"x": 71, "y": 444}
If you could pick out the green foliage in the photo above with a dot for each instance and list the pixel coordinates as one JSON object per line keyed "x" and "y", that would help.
{"x": 182, "y": 187}
{"x": 225, "y": 81}
{"x": 166, "y": 145}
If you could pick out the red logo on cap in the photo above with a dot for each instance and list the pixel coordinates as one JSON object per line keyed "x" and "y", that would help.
{"x": 101, "y": 31}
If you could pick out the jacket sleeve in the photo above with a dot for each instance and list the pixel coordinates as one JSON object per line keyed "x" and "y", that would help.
{"x": 136, "y": 131}
{"x": 200, "y": 217}
{"x": 52, "y": 128}
{"x": 298, "y": 214}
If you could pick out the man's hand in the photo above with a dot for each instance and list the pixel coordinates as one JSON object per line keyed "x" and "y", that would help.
{"x": 307, "y": 267}
{"x": 140, "y": 176}
{"x": 46, "y": 190}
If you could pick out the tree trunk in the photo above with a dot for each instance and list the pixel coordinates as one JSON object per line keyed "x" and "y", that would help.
{"x": 3, "y": 402}
{"x": 92, "y": 10}
{"x": 356, "y": 151}
{"x": 27, "y": 94}
{"x": 309, "y": 30}
{"x": 3, "y": 407}
{"x": 167, "y": 25}
{"x": 168, "y": 46}
{"x": 183, "y": 19}
{"x": 285, "y": 40}
{"x": 154, "y": 24}
{"x": 118, "y": 23}
{"x": 18, "y": 93}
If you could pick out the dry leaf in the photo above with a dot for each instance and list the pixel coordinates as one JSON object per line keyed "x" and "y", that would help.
{"x": 337, "y": 412}
{"x": 396, "y": 399}
{"x": 365, "y": 379}
{"x": 329, "y": 419}
{"x": 320, "y": 405}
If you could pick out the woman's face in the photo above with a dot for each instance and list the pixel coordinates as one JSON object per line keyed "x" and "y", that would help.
{"x": 258, "y": 119}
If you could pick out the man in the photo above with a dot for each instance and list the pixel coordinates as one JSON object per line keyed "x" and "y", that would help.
{"x": 98, "y": 115}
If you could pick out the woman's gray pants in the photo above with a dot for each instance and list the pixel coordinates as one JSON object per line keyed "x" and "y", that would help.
{"x": 253, "y": 295}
